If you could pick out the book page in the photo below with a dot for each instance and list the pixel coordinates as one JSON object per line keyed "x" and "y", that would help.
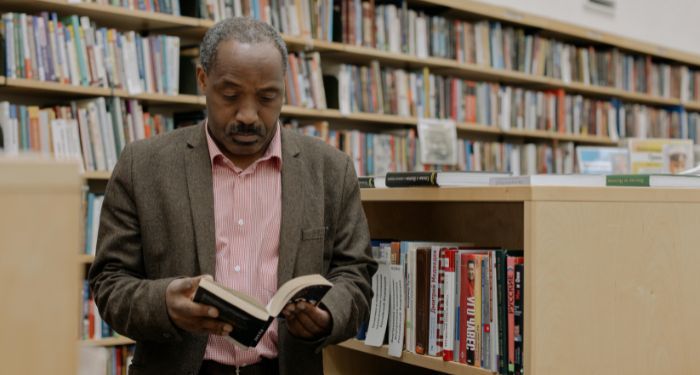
{"x": 397, "y": 311}
{"x": 379, "y": 311}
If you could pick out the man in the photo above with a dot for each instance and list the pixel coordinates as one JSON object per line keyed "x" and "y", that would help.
{"x": 243, "y": 200}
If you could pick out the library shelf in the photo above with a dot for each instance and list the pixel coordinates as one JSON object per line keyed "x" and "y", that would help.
{"x": 561, "y": 29}
{"x": 115, "y": 16}
{"x": 125, "y": 19}
{"x": 111, "y": 341}
{"x": 86, "y": 258}
{"x": 587, "y": 260}
{"x": 416, "y": 360}
{"x": 357, "y": 117}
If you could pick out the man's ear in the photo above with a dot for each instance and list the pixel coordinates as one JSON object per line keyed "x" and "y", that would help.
{"x": 201, "y": 79}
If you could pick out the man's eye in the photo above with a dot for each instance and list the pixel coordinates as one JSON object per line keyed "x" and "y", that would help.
{"x": 268, "y": 97}
{"x": 230, "y": 96}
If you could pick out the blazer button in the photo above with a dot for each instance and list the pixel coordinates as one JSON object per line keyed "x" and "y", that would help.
{"x": 167, "y": 335}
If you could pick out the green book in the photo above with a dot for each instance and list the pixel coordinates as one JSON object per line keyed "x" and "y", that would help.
{"x": 653, "y": 180}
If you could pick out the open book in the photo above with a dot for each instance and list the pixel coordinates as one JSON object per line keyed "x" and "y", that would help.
{"x": 249, "y": 318}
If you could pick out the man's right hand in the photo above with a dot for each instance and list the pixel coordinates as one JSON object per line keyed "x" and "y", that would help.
{"x": 189, "y": 315}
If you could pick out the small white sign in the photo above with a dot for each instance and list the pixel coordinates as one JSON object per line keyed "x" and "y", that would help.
{"x": 438, "y": 141}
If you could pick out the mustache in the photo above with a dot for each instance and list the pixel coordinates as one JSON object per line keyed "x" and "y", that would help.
{"x": 245, "y": 129}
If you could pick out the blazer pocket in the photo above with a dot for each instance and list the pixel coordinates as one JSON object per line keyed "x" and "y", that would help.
{"x": 313, "y": 233}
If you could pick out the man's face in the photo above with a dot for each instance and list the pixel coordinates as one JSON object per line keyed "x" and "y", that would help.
{"x": 244, "y": 90}
{"x": 471, "y": 270}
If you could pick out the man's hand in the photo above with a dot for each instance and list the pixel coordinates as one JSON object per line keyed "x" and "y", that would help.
{"x": 307, "y": 321}
{"x": 189, "y": 315}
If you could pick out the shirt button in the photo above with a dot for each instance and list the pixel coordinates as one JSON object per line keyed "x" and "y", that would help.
{"x": 237, "y": 268}
{"x": 240, "y": 222}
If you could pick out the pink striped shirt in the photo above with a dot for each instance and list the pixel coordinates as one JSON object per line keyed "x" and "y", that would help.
{"x": 247, "y": 213}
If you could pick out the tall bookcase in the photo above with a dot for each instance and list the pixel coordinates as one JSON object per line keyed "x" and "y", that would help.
{"x": 609, "y": 273}
{"x": 192, "y": 29}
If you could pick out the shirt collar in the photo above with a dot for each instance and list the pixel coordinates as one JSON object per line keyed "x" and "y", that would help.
{"x": 273, "y": 152}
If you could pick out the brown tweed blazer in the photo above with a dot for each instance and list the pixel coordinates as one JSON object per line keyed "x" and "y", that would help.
{"x": 157, "y": 224}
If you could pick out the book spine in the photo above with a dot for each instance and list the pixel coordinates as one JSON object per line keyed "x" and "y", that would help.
{"x": 519, "y": 333}
{"x": 406, "y": 179}
{"x": 628, "y": 180}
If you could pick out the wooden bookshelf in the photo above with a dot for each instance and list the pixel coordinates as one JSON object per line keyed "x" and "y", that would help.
{"x": 193, "y": 27}
{"x": 101, "y": 175}
{"x": 560, "y": 28}
{"x": 424, "y": 362}
{"x": 86, "y": 259}
{"x": 693, "y": 106}
{"x": 112, "y": 341}
{"x": 601, "y": 266}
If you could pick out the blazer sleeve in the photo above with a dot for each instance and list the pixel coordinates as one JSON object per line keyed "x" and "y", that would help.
{"x": 352, "y": 265}
{"x": 130, "y": 303}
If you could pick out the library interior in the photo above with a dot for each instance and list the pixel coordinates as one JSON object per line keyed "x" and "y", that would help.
{"x": 476, "y": 187}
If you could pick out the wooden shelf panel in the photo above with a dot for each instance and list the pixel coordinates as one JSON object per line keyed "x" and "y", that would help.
{"x": 116, "y": 17}
{"x": 97, "y": 176}
{"x": 112, "y": 341}
{"x": 35, "y": 87}
{"x": 85, "y": 258}
{"x": 531, "y": 193}
{"x": 431, "y": 363}
{"x": 692, "y": 106}
{"x": 30, "y": 86}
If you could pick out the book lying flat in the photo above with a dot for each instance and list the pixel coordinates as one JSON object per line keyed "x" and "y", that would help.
{"x": 249, "y": 318}
{"x": 653, "y": 180}
{"x": 411, "y": 179}
{"x": 367, "y": 182}
{"x": 551, "y": 180}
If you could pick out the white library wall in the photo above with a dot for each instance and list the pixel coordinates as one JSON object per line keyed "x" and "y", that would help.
{"x": 668, "y": 23}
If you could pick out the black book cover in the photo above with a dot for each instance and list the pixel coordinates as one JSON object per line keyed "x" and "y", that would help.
{"x": 365, "y": 181}
{"x": 405, "y": 179}
{"x": 247, "y": 329}
{"x": 519, "y": 321}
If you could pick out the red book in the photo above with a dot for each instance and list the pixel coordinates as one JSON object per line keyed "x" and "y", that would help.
{"x": 467, "y": 313}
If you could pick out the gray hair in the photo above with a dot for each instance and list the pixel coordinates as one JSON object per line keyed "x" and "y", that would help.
{"x": 243, "y": 30}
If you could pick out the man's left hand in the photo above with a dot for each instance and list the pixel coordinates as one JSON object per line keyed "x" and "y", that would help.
{"x": 307, "y": 321}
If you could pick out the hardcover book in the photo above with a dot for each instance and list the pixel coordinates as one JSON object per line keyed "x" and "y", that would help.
{"x": 249, "y": 318}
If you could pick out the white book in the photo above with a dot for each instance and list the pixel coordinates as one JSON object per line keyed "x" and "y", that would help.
{"x": 10, "y": 68}
{"x": 83, "y": 127}
{"x": 73, "y": 142}
{"x": 148, "y": 68}
{"x": 107, "y": 130}
{"x": 59, "y": 144}
{"x": 71, "y": 57}
{"x": 379, "y": 310}
{"x": 95, "y": 224}
{"x": 133, "y": 82}
{"x": 10, "y": 130}
{"x": 551, "y": 180}
{"x": 174, "y": 65}
{"x": 45, "y": 132}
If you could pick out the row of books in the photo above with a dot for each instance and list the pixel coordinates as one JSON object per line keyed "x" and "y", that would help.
{"x": 73, "y": 50}
{"x": 449, "y": 300}
{"x": 96, "y": 360}
{"x": 423, "y": 94}
{"x": 159, "y": 6}
{"x": 92, "y": 327}
{"x": 399, "y": 150}
{"x": 304, "y": 81}
{"x": 398, "y": 29}
{"x": 306, "y": 18}
{"x": 91, "y": 131}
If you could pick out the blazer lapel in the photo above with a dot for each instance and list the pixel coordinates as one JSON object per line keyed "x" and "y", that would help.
{"x": 292, "y": 205}
{"x": 201, "y": 194}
